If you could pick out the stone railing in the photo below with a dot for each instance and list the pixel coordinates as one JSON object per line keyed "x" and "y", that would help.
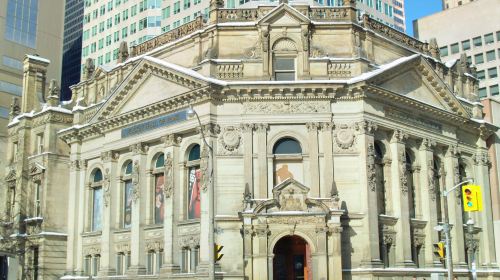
{"x": 168, "y": 37}
{"x": 394, "y": 35}
{"x": 230, "y": 71}
{"x": 89, "y": 113}
{"x": 339, "y": 69}
{"x": 242, "y": 15}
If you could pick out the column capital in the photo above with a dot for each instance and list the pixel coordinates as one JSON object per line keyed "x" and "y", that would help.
{"x": 171, "y": 140}
{"x": 427, "y": 144}
{"x": 209, "y": 129}
{"x": 138, "y": 148}
{"x": 327, "y": 126}
{"x": 262, "y": 127}
{"x": 247, "y": 127}
{"x": 312, "y": 126}
{"x": 399, "y": 136}
{"x": 481, "y": 158}
{"x": 366, "y": 127}
{"x": 110, "y": 156}
{"x": 453, "y": 151}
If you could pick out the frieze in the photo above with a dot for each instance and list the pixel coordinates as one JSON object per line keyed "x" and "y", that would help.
{"x": 154, "y": 245}
{"x": 290, "y": 107}
{"x": 229, "y": 142}
{"x": 408, "y": 118}
{"x": 92, "y": 251}
{"x": 52, "y": 117}
{"x": 122, "y": 247}
{"x": 300, "y": 220}
{"x": 189, "y": 241}
{"x": 366, "y": 127}
{"x": 157, "y": 122}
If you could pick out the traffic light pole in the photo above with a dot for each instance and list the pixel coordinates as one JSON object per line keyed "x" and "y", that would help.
{"x": 447, "y": 229}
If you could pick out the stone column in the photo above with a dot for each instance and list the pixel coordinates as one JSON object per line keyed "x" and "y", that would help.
{"x": 83, "y": 214}
{"x": 455, "y": 206}
{"x": 248, "y": 235}
{"x": 400, "y": 199}
{"x": 487, "y": 246}
{"x": 261, "y": 268}
{"x": 138, "y": 254}
{"x": 368, "y": 192}
{"x": 171, "y": 186}
{"x": 428, "y": 196}
{"x": 328, "y": 170}
{"x": 312, "y": 129}
{"x": 247, "y": 130}
{"x": 73, "y": 214}
{"x": 108, "y": 185}
{"x": 262, "y": 160}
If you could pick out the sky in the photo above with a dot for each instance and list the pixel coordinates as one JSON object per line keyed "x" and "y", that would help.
{"x": 419, "y": 8}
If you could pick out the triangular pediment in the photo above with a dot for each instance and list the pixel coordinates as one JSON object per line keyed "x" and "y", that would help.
{"x": 11, "y": 176}
{"x": 417, "y": 80}
{"x": 284, "y": 15}
{"x": 150, "y": 82}
{"x": 36, "y": 168}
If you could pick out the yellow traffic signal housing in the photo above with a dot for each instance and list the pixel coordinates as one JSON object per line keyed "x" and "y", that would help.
{"x": 217, "y": 250}
{"x": 472, "y": 198}
{"x": 439, "y": 250}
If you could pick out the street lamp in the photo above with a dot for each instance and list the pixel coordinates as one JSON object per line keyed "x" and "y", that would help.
{"x": 446, "y": 228}
{"x": 211, "y": 225}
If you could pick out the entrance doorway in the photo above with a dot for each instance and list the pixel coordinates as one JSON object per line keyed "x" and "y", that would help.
{"x": 292, "y": 259}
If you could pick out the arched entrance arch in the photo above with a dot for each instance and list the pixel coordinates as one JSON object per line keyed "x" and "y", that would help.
{"x": 292, "y": 259}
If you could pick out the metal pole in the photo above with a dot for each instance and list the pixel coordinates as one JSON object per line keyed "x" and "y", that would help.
{"x": 211, "y": 214}
{"x": 470, "y": 248}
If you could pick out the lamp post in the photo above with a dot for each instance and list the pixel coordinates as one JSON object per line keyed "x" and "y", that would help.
{"x": 446, "y": 228}
{"x": 211, "y": 225}
{"x": 471, "y": 244}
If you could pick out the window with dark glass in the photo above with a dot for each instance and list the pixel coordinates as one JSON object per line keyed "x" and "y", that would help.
{"x": 492, "y": 73}
{"x": 482, "y": 93}
{"x": 97, "y": 203}
{"x": 287, "y": 160}
{"x": 480, "y": 75}
{"x": 443, "y": 51}
{"x": 466, "y": 45}
{"x": 488, "y": 38}
{"x": 490, "y": 55}
{"x": 193, "y": 187}
{"x": 477, "y": 41}
{"x": 479, "y": 58}
{"x": 158, "y": 201}
{"x": 494, "y": 90}
{"x": 454, "y": 48}
{"x": 127, "y": 195}
{"x": 284, "y": 68}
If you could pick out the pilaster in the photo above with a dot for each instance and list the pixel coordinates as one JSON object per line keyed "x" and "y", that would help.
{"x": 262, "y": 129}
{"x": 312, "y": 129}
{"x": 400, "y": 199}
{"x": 328, "y": 170}
{"x": 247, "y": 130}
{"x": 171, "y": 154}
{"x": 138, "y": 254}
{"x": 428, "y": 196}
{"x": 76, "y": 165}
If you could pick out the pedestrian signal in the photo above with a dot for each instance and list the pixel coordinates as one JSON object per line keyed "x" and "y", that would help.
{"x": 439, "y": 250}
{"x": 472, "y": 198}
{"x": 217, "y": 249}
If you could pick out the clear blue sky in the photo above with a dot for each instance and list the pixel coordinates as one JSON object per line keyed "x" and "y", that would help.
{"x": 419, "y": 8}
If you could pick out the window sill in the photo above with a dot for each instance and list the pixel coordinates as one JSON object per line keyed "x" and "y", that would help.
{"x": 153, "y": 226}
{"x": 189, "y": 222}
{"x": 92, "y": 233}
{"x": 122, "y": 230}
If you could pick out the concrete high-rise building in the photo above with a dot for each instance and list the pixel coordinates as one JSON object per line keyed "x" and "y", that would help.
{"x": 449, "y": 4}
{"x": 72, "y": 46}
{"x": 107, "y": 23}
{"x": 390, "y": 12}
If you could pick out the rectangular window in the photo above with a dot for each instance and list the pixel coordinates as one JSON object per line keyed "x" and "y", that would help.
{"x": 124, "y": 32}
{"x": 96, "y": 209}
{"x": 127, "y": 199}
{"x": 494, "y": 90}
{"x": 96, "y": 261}
{"x": 101, "y": 26}
{"x": 444, "y": 51}
{"x": 488, "y": 38}
{"x": 102, "y": 10}
{"x": 100, "y": 43}
{"x": 94, "y": 30}
{"x": 39, "y": 143}
{"x": 100, "y": 60}
{"x": 176, "y": 24}
{"x": 165, "y": 13}
{"x": 469, "y": 59}
{"x": 477, "y": 41}
{"x": 117, "y": 19}
{"x": 108, "y": 40}
{"x": 482, "y": 93}
{"x": 386, "y": 8}
{"x": 107, "y": 57}
{"x": 125, "y": 15}
{"x": 12, "y": 62}
{"x": 490, "y": 55}
{"x": 110, "y": 5}
{"x": 177, "y": 7}
{"x": 86, "y": 265}
{"x": 38, "y": 198}
{"x": 120, "y": 261}
{"x": 284, "y": 69}
{"x": 93, "y": 47}
{"x": 133, "y": 10}
{"x": 479, "y": 58}
{"x": 378, "y": 5}
{"x": 133, "y": 28}
{"x": 492, "y": 73}
{"x": 466, "y": 45}
{"x": 143, "y": 23}
{"x": 165, "y": 28}
{"x": 86, "y": 35}
{"x": 454, "y": 48}
{"x": 116, "y": 36}
{"x": 158, "y": 201}
{"x": 109, "y": 22}
{"x": 187, "y": 4}
{"x": 481, "y": 75}
{"x": 117, "y": 2}
{"x": 186, "y": 19}
{"x": 95, "y": 13}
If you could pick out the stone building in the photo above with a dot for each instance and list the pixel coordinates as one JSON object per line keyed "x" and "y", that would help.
{"x": 320, "y": 149}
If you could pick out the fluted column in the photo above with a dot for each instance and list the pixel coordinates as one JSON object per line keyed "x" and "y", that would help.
{"x": 487, "y": 249}
{"x": 138, "y": 254}
{"x": 171, "y": 186}
{"x": 312, "y": 129}
{"x": 368, "y": 192}
{"x": 108, "y": 186}
{"x": 428, "y": 195}
{"x": 328, "y": 170}
{"x": 455, "y": 206}
{"x": 262, "y": 160}
{"x": 400, "y": 199}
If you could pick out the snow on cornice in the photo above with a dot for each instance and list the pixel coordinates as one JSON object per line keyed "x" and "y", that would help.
{"x": 35, "y": 57}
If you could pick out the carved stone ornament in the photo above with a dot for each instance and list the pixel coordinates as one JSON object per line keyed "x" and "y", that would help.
{"x": 388, "y": 239}
{"x": 344, "y": 138}
{"x": 286, "y": 107}
{"x": 403, "y": 175}
{"x": 427, "y": 144}
{"x": 122, "y": 248}
{"x": 229, "y": 141}
{"x": 169, "y": 176}
{"x": 262, "y": 231}
{"x": 154, "y": 245}
{"x": 138, "y": 148}
{"x": 189, "y": 241}
{"x": 92, "y": 251}
{"x": 108, "y": 156}
{"x": 105, "y": 186}
{"x": 11, "y": 178}
{"x": 254, "y": 52}
{"x": 135, "y": 181}
{"x": 76, "y": 164}
{"x": 366, "y": 127}
{"x": 370, "y": 167}
{"x": 205, "y": 176}
{"x": 399, "y": 136}
{"x": 172, "y": 140}
{"x": 481, "y": 158}
{"x": 431, "y": 180}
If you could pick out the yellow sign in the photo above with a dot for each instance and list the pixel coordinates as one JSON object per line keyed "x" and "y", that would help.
{"x": 217, "y": 249}
{"x": 472, "y": 198}
{"x": 439, "y": 250}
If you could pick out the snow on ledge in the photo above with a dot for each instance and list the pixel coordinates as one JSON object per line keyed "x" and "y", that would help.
{"x": 34, "y": 57}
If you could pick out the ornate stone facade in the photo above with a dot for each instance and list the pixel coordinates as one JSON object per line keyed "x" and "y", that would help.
{"x": 345, "y": 160}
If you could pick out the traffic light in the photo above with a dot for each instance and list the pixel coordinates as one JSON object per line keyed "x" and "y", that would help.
{"x": 439, "y": 250}
{"x": 472, "y": 198}
{"x": 217, "y": 249}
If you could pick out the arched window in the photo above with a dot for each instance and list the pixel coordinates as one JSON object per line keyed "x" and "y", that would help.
{"x": 193, "y": 187}
{"x": 159, "y": 177}
{"x": 411, "y": 186}
{"x": 287, "y": 160}
{"x": 97, "y": 199}
{"x": 127, "y": 195}
{"x": 284, "y": 60}
{"x": 380, "y": 177}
